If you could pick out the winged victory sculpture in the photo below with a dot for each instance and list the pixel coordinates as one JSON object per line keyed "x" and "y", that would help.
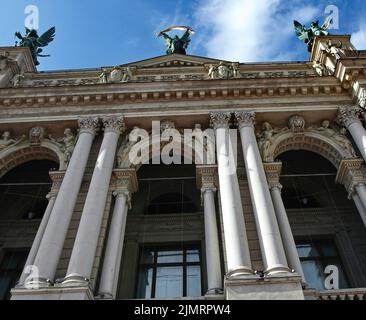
{"x": 176, "y": 44}
{"x": 308, "y": 34}
{"x": 35, "y": 42}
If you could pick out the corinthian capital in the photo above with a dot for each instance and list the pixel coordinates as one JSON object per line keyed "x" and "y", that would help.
{"x": 348, "y": 115}
{"x": 114, "y": 124}
{"x": 220, "y": 119}
{"x": 245, "y": 118}
{"x": 88, "y": 125}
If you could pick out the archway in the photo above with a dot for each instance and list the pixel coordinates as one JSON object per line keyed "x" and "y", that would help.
{"x": 23, "y": 201}
{"x": 324, "y": 222}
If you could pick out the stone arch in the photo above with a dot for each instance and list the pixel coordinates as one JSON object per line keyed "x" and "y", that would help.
{"x": 23, "y": 152}
{"x": 153, "y": 141}
{"x": 309, "y": 141}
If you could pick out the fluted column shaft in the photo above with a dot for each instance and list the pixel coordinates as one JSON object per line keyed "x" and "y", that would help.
{"x": 83, "y": 253}
{"x": 113, "y": 254}
{"x": 349, "y": 117}
{"x": 236, "y": 241}
{"x": 50, "y": 249}
{"x": 273, "y": 253}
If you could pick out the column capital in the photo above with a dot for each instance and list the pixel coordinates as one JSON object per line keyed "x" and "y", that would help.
{"x": 220, "y": 120}
{"x": 114, "y": 124}
{"x": 348, "y": 115}
{"x": 57, "y": 178}
{"x": 206, "y": 177}
{"x": 273, "y": 171}
{"x": 123, "y": 192}
{"x": 125, "y": 179}
{"x": 351, "y": 172}
{"x": 88, "y": 125}
{"x": 245, "y": 118}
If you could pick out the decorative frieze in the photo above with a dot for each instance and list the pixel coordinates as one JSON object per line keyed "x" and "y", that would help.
{"x": 273, "y": 171}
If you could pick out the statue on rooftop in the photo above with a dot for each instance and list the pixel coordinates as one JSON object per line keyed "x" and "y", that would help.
{"x": 308, "y": 34}
{"x": 176, "y": 44}
{"x": 34, "y": 42}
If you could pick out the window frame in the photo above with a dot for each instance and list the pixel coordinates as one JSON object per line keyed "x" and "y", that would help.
{"x": 184, "y": 264}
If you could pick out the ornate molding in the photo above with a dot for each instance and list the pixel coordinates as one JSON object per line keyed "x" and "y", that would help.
{"x": 125, "y": 180}
{"x": 57, "y": 178}
{"x": 296, "y": 124}
{"x": 36, "y": 135}
{"x": 273, "y": 172}
{"x": 88, "y": 125}
{"x": 223, "y": 70}
{"x": 114, "y": 124}
{"x": 351, "y": 172}
{"x": 348, "y": 115}
{"x": 220, "y": 120}
{"x": 245, "y": 118}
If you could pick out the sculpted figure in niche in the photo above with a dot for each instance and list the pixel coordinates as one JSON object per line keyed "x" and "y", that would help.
{"x": 67, "y": 143}
{"x": 342, "y": 139}
{"x": 6, "y": 141}
{"x": 265, "y": 140}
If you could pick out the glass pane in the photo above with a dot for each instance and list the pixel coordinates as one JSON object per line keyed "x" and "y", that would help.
{"x": 169, "y": 282}
{"x": 307, "y": 250}
{"x": 5, "y": 284}
{"x": 148, "y": 257}
{"x": 314, "y": 274}
{"x": 328, "y": 249}
{"x": 145, "y": 283}
{"x": 170, "y": 256}
{"x": 193, "y": 256}
{"x": 193, "y": 281}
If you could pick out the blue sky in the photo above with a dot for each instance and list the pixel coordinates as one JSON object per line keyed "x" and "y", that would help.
{"x": 97, "y": 33}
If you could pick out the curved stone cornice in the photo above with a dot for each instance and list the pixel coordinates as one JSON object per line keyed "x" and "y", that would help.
{"x": 348, "y": 115}
{"x": 245, "y": 118}
{"x": 114, "y": 124}
{"x": 88, "y": 125}
{"x": 220, "y": 120}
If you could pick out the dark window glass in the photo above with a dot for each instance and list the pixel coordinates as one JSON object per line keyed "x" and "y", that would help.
{"x": 11, "y": 267}
{"x": 315, "y": 256}
{"x": 169, "y": 273}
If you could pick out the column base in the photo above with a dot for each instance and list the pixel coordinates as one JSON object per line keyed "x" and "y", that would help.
{"x": 270, "y": 287}
{"x": 53, "y": 293}
{"x": 35, "y": 283}
{"x": 239, "y": 271}
{"x": 277, "y": 269}
{"x": 104, "y": 296}
{"x": 74, "y": 280}
{"x": 214, "y": 292}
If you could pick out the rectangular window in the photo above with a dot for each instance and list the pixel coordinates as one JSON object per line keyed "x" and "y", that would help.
{"x": 169, "y": 272}
{"x": 315, "y": 256}
{"x": 11, "y": 267}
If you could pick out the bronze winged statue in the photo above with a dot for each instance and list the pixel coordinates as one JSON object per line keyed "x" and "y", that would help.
{"x": 35, "y": 42}
{"x": 308, "y": 34}
{"x": 176, "y": 44}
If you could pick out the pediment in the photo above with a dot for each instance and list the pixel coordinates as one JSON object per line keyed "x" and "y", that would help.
{"x": 173, "y": 60}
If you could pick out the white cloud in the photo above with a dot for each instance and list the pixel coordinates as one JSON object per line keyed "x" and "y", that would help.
{"x": 250, "y": 30}
{"x": 359, "y": 38}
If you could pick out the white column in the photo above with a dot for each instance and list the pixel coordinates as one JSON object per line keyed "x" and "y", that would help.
{"x": 236, "y": 241}
{"x": 349, "y": 117}
{"x": 38, "y": 238}
{"x": 360, "y": 207}
{"x": 361, "y": 194}
{"x": 214, "y": 280}
{"x": 286, "y": 233}
{"x": 273, "y": 252}
{"x": 54, "y": 236}
{"x": 83, "y": 253}
{"x": 112, "y": 258}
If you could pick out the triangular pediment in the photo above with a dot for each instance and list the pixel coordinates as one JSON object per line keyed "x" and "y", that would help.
{"x": 173, "y": 60}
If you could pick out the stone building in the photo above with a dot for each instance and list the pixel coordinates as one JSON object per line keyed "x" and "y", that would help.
{"x": 81, "y": 219}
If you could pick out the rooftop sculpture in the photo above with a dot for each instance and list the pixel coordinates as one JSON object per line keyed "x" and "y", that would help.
{"x": 176, "y": 44}
{"x": 34, "y": 42}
